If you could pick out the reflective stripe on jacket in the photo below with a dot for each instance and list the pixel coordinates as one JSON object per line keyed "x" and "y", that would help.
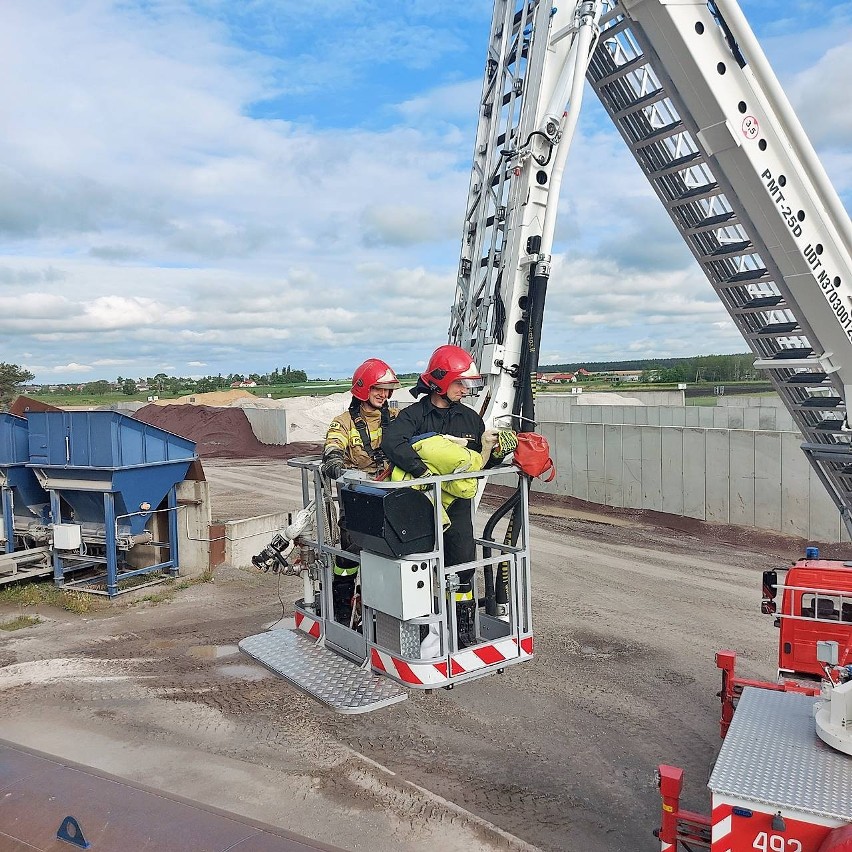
{"x": 343, "y": 435}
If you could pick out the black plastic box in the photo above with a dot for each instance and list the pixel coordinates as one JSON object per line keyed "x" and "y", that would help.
{"x": 392, "y": 523}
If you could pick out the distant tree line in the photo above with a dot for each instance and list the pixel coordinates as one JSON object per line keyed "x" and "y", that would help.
{"x": 159, "y": 383}
{"x": 702, "y": 368}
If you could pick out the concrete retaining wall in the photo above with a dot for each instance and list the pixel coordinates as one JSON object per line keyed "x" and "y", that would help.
{"x": 268, "y": 424}
{"x": 731, "y": 476}
{"x": 592, "y": 397}
{"x": 705, "y": 417}
{"x": 247, "y": 537}
{"x": 771, "y": 400}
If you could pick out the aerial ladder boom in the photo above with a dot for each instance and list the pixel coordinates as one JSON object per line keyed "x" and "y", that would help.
{"x": 694, "y": 98}
{"x": 537, "y": 59}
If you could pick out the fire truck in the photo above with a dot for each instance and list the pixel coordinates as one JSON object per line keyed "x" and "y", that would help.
{"x": 692, "y": 95}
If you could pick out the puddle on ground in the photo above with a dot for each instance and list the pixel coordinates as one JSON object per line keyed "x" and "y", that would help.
{"x": 244, "y": 672}
{"x": 212, "y": 652}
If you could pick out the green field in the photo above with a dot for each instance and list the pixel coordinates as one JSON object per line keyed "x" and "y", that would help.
{"x": 275, "y": 391}
{"x": 697, "y": 394}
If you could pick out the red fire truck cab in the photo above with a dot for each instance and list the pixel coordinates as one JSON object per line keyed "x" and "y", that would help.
{"x": 816, "y": 606}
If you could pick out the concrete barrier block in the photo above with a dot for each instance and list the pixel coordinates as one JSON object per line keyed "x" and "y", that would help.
{"x": 596, "y": 462}
{"x": 717, "y": 461}
{"x": 736, "y": 418}
{"x": 741, "y": 495}
{"x": 672, "y": 469}
{"x": 579, "y": 461}
{"x": 795, "y": 476}
{"x": 551, "y": 432}
{"x": 247, "y": 537}
{"x": 767, "y": 481}
{"x": 705, "y": 416}
{"x": 767, "y": 419}
{"x": 268, "y": 424}
{"x": 613, "y": 465}
{"x": 823, "y": 516}
{"x": 652, "y": 469}
{"x": 560, "y": 448}
{"x": 631, "y": 474}
{"x": 694, "y": 473}
{"x": 750, "y": 418}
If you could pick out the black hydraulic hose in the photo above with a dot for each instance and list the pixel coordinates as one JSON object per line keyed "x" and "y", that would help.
{"x": 531, "y": 329}
{"x": 513, "y": 530}
{"x": 547, "y": 139}
{"x": 511, "y": 504}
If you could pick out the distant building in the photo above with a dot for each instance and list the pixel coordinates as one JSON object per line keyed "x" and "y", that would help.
{"x": 621, "y": 376}
{"x": 555, "y": 378}
{"x": 244, "y": 384}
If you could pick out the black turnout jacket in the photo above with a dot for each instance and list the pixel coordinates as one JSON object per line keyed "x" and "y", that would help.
{"x": 422, "y": 417}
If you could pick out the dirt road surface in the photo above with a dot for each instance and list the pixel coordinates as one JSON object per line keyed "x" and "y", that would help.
{"x": 556, "y": 754}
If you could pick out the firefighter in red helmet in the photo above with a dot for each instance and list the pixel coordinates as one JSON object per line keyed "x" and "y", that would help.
{"x": 353, "y": 441}
{"x": 448, "y": 378}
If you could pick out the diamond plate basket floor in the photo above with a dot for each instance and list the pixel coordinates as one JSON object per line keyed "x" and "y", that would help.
{"x": 340, "y": 684}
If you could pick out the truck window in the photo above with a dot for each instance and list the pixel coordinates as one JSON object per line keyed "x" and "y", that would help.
{"x": 825, "y": 607}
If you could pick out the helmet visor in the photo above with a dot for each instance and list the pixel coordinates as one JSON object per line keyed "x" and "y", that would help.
{"x": 389, "y": 386}
{"x": 473, "y": 384}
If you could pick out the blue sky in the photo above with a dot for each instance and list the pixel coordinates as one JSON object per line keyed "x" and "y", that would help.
{"x": 210, "y": 185}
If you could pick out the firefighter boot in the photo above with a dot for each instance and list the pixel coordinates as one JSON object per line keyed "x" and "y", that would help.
{"x": 342, "y": 592}
{"x": 466, "y": 623}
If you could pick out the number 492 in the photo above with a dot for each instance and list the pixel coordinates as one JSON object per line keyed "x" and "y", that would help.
{"x": 765, "y": 842}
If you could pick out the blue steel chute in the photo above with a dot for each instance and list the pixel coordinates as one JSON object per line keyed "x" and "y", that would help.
{"x": 25, "y": 504}
{"x": 108, "y": 475}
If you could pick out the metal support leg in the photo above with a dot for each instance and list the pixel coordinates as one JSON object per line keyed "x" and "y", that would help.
{"x": 8, "y": 519}
{"x": 174, "y": 570}
{"x": 56, "y": 513}
{"x": 111, "y": 549}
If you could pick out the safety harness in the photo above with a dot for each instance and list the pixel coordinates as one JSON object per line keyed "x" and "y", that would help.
{"x": 360, "y": 424}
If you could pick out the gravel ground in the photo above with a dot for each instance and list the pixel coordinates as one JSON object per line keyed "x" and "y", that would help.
{"x": 555, "y": 754}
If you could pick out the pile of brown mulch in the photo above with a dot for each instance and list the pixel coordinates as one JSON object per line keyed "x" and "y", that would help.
{"x": 219, "y": 432}
{"x": 24, "y": 404}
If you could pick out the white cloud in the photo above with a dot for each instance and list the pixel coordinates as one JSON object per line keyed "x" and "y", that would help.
{"x": 161, "y": 197}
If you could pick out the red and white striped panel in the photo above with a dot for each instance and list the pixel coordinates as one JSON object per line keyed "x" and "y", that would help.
{"x": 308, "y": 625}
{"x": 469, "y": 660}
{"x": 721, "y": 836}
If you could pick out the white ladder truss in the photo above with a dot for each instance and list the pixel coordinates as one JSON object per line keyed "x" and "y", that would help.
{"x": 695, "y": 100}
{"x": 692, "y": 95}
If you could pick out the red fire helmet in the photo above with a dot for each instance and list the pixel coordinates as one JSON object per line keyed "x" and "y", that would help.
{"x": 449, "y": 364}
{"x": 373, "y": 373}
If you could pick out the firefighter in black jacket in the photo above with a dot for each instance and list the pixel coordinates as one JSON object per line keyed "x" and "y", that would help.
{"x": 449, "y": 376}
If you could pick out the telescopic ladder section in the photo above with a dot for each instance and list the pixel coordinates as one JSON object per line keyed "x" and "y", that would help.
{"x": 696, "y": 102}
{"x": 530, "y": 44}
{"x": 512, "y": 78}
